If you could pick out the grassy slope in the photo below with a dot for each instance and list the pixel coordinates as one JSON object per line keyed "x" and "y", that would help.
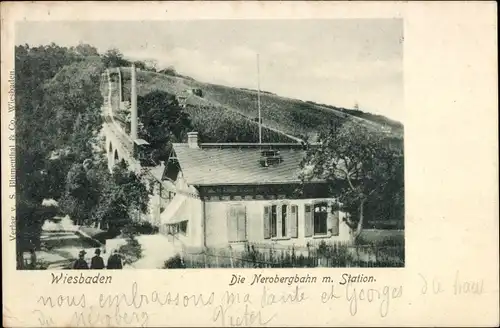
{"x": 291, "y": 116}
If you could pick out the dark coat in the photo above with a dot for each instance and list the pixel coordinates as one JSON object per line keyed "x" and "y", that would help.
{"x": 97, "y": 262}
{"x": 115, "y": 262}
{"x": 80, "y": 264}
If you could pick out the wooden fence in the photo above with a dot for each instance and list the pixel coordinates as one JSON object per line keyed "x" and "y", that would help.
{"x": 254, "y": 255}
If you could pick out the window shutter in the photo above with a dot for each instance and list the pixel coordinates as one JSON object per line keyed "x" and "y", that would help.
{"x": 279, "y": 219}
{"x": 242, "y": 224}
{"x": 308, "y": 221}
{"x": 267, "y": 222}
{"x": 335, "y": 222}
{"x": 274, "y": 220}
{"x": 232, "y": 224}
{"x": 293, "y": 222}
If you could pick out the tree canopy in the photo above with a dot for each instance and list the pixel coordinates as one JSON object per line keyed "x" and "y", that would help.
{"x": 163, "y": 119}
{"x": 169, "y": 71}
{"x": 54, "y": 85}
{"x": 58, "y": 118}
{"x": 123, "y": 198}
{"x": 361, "y": 170}
{"x": 114, "y": 58}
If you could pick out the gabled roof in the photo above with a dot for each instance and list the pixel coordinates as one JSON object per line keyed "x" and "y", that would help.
{"x": 229, "y": 165}
{"x": 157, "y": 171}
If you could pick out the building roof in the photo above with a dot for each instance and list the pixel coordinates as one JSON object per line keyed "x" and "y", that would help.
{"x": 236, "y": 165}
{"x": 157, "y": 171}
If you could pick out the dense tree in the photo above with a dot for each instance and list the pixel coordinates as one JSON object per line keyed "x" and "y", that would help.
{"x": 163, "y": 119}
{"x": 169, "y": 71}
{"x": 57, "y": 167}
{"x": 151, "y": 64}
{"x": 35, "y": 137}
{"x": 74, "y": 100}
{"x": 46, "y": 109}
{"x": 86, "y": 50}
{"x": 108, "y": 200}
{"x": 58, "y": 118}
{"x": 140, "y": 65}
{"x": 360, "y": 169}
{"x": 114, "y": 58}
{"x": 122, "y": 199}
{"x": 78, "y": 199}
{"x": 34, "y": 66}
{"x": 30, "y": 217}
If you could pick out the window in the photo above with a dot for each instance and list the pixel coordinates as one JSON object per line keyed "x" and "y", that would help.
{"x": 308, "y": 221}
{"x": 270, "y": 221}
{"x": 183, "y": 227}
{"x": 320, "y": 218}
{"x": 172, "y": 169}
{"x": 236, "y": 223}
{"x": 280, "y": 221}
{"x": 172, "y": 229}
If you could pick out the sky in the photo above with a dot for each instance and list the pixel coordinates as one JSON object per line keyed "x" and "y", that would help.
{"x": 337, "y": 62}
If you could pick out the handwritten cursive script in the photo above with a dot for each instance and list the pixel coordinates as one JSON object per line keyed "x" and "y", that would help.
{"x": 117, "y": 309}
{"x": 435, "y": 285}
{"x": 231, "y": 308}
{"x": 362, "y": 295}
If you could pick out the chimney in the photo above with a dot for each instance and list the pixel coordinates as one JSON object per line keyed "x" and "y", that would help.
{"x": 193, "y": 139}
{"x": 120, "y": 86}
{"x": 133, "y": 104}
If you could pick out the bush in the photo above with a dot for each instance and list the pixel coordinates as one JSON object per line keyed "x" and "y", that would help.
{"x": 131, "y": 251}
{"x": 139, "y": 228}
{"x": 107, "y": 234}
{"x": 337, "y": 253}
{"x": 388, "y": 240}
{"x": 391, "y": 241}
{"x": 174, "y": 262}
{"x": 39, "y": 265}
{"x": 146, "y": 228}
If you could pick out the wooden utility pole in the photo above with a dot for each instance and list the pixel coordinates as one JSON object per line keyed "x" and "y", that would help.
{"x": 258, "y": 99}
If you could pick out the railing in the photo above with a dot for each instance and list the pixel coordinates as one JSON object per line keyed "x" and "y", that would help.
{"x": 255, "y": 255}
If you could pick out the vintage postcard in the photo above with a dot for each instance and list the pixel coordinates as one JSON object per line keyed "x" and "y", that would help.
{"x": 249, "y": 164}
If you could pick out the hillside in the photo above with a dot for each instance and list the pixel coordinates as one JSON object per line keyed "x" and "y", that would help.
{"x": 294, "y": 117}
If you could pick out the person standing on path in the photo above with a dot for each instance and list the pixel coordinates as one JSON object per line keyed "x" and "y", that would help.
{"x": 115, "y": 261}
{"x": 81, "y": 264}
{"x": 97, "y": 262}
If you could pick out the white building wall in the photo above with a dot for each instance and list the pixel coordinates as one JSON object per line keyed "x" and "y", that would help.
{"x": 216, "y": 221}
{"x": 192, "y": 211}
